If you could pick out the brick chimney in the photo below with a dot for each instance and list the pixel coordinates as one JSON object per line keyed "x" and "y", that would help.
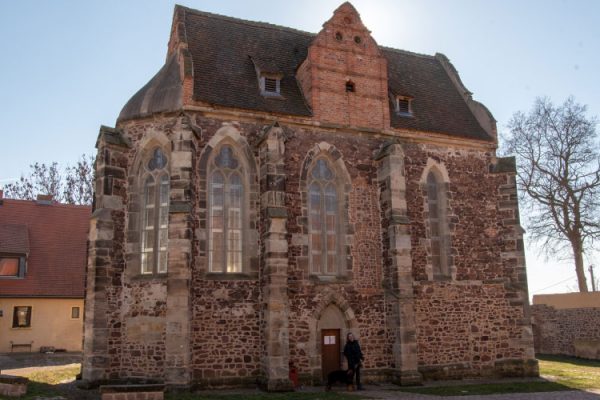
{"x": 44, "y": 199}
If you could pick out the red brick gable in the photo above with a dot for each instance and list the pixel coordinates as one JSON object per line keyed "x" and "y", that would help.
{"x": 57, "y": 242}
{"x": 344, "y": 54}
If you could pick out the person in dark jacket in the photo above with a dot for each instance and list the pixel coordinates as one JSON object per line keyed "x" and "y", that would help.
{"x": 354, "y": 356}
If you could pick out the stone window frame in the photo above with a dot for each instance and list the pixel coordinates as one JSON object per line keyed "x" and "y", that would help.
{"x": 230, "y": 136}
{"x": 135, "y": 194}
{"x": 446, "y": 270}
{"x": 345, "y": 230}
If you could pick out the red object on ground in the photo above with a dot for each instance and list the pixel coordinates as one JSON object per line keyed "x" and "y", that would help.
{"x": 294, "y": 375}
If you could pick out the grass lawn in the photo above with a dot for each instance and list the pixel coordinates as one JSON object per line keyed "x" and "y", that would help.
{"x": 573, "y": 372}
{"x": 562, "y": 373}
{"x": 46, "y": 381}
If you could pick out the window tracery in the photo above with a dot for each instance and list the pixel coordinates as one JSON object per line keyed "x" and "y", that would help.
{"x": 226, "y": 199}
{"x": 155, "y": 218}
{"x": 324, "y": 219}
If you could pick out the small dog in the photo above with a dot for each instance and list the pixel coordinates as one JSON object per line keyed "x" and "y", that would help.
{"x": 341, "y": 376}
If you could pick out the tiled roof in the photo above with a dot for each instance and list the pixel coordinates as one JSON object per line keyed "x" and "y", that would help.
{"x": 224, "y": 74}
{"x": 57, "y": 246}
{"x": 437, "y": 105}
{"x": 225, "y": 50}
{"x": 14, "y": 238}
{"x": 162, "y": 93}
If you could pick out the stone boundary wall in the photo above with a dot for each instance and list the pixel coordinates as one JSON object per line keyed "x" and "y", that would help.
{"x": 13, "y": 386}
{"x": 565, "y": 329}
{"x": 132, "y": 392}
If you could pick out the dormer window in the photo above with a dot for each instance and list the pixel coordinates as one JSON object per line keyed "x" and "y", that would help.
{"x": 12, "y": 266}
{"x": 269, "y": 76}
{"x": 270, "y": 86}
{"x": 404, "y": 106}
{"x": 14, "y": 248}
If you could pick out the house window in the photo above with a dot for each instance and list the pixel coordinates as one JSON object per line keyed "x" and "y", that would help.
{"x": 323, "y": 219}
{"x": 155, "y": 209}
{"x": 350, "y": 86}
{"x": 404, "y": 106}
{"x": 436, "y": 208}
{"x": 12, "y": 266}
{"x": 75, "y": 312}
{"x": 22, "y": 317}
{"x": 226, "y": 205}
{"x": 270, "y": 86}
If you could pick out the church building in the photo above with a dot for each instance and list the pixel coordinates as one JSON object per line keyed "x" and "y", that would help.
{"x": 270, "y": 190}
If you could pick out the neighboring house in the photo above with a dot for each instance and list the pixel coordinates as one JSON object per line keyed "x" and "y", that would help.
{"x": 42, "y": 273}
{"x": 567, "y": 324}
{"x": 271, "y": 190}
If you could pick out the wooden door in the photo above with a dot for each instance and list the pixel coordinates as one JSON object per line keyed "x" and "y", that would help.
{"x": 330, "y": 351}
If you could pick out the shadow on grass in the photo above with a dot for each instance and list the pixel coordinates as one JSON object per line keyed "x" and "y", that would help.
{"x": 64, "y": 390}
{"x": 581, "y": 362}
{"x": 29, "y": 360}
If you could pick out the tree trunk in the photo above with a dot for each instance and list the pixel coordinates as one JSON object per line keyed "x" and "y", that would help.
{"x": 579, "y": 269}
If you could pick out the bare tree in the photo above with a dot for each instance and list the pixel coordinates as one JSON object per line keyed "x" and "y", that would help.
{"x": 558, "y": 175}
{"x": 73, "y": 186}
{"x": 43, "y": 179}
{"x": 79, "y": 182}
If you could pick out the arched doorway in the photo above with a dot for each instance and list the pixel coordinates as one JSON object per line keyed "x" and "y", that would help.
{"x": 331, "y": 328}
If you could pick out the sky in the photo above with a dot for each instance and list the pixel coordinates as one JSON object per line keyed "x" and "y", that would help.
{"x": 67, "y": 67}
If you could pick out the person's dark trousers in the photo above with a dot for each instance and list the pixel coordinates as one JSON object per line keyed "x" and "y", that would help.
{"x": 357, "y": 375}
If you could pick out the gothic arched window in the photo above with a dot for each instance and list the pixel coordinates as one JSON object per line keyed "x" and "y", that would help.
{"x": 155, "y": 213}
{"x": 437, "y": 225}
{"x": 226, "y": 199}
{"x": 323, "y": 219}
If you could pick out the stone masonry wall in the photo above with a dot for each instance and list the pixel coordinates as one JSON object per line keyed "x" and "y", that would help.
{"x": 564, "y": 331}
{"x": 471, "y": 323}
{"x": 225, "y": 333}
{"x": 361, "y": 287}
